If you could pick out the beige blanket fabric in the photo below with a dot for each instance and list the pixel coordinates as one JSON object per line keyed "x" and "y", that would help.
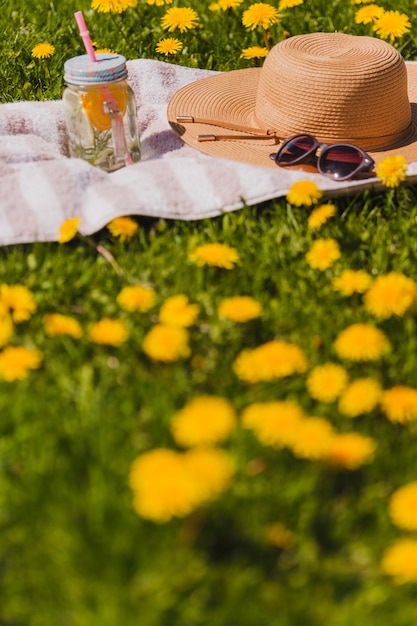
{"x": 40, "y": 186}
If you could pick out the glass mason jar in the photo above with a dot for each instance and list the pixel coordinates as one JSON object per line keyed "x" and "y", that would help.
{"x": 100, "y": 111}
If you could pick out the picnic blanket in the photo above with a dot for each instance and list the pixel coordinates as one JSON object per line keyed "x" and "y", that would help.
{"x": 40, "y": 186}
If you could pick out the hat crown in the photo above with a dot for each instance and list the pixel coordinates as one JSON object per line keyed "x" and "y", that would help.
{"x": 337, "y": 87}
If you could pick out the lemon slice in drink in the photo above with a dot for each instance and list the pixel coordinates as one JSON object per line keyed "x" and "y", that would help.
{"x": 77, "y": 119}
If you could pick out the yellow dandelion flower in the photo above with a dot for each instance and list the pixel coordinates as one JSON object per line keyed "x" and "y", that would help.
{"x": 169, "y": 45}
{"x": 254, "y": 52}
{"x": 403, "y": 506}
{"x": 288, "y": 4}
{"x": 211, "y": 471}
{"x": 17, "y": 301}
{"x": 57, "y": 324}
{"x": 260, "y": 14}
{"x": 165, "y": 343}
{"x": 271, "y": 360}
{"x": 361, "y": 342}
{"x": 17, "y": 361}
{"x": 43, "y": 51}
{"x": 390, "y": 294}
{"x": 360, "y": 396}
{"x": 158, "y": 3}
{"x": 183, "y": 18}
{"x": 352, "y": 281}
{"x": 68, "y": 229}
{"x": 280, "y": 536}
{"x": 392, "y": 170}
{"x": 400, "y": 404}
{"x": 104, "y": 51}
{"x": 123, "y": 227}
{"x": 392, "y": 24}
{"x": 326, "y": 382}
{"x": 203, "y": 421}
{"x": 108, "y": 332}
{"x": 313, "y": 439}
{"x": 177, "y": 311}
{"x": 274, "y": 423}
{"x": 361, "y": 1}
{"x": 239, "y": 309}
{"x": 136, "y": 298}
{"x": 304, "y": 193}
{"x": 400, "y": 561}
{"x": 215, "y": 254}
{"x": 323, "y": 253}
{"x": 319, "y": 216}
{"x": 368, "y": 14}
{"x": 350, "y": 450}
{"x": 162, "y": 485}
{"x": 112, "y": 6}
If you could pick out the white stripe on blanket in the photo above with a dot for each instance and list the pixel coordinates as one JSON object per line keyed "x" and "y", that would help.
{"x": 40, "y": 186}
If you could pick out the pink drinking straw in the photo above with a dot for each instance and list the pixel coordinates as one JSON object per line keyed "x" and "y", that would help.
{"x": 85, "y": 35}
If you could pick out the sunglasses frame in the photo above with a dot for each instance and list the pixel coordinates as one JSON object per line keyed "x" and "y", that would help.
{"x": 365, "y": 166}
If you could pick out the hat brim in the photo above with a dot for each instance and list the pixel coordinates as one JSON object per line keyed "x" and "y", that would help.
{"x": 230, "y": 97}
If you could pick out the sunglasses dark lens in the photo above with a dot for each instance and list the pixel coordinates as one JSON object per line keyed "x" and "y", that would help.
{"x": 295, "y": 149}
{"x": 340, "y": 161}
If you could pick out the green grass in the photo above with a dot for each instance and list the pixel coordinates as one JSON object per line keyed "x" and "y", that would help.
{"x": 73, "y": 552}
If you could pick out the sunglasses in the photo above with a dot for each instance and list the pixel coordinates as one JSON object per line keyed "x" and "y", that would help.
{"x": 340, "y": 161}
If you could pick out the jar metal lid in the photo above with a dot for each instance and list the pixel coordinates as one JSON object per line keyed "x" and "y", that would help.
{"x": 82, "y": 71}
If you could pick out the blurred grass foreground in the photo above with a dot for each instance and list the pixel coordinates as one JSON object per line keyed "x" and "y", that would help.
{"x": 209, "y": 423}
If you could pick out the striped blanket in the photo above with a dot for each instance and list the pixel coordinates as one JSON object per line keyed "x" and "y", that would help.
{"x": 40, "y": 186}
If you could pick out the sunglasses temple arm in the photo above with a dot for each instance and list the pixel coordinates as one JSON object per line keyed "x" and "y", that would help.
{"x": 257, "y": 133}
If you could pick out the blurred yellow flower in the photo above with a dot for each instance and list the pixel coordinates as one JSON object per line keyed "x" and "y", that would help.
{"x": 177, "y": 311}
{"x": 326, "y": 382}
{"x": 17, "y": 301}
{"x": 274, "y": 423}
{"x": 260, "y": 14}
{"x": 6, "y": 329}
{"x": 123, "y": 227}
{"x": 215, "y": 254}
{"x": 68, "y": 229}
{"x": 352, "y": 281}
{"x": 183, "y": 18}
{"x": 109, "y": 332}
{"x": 169, "y": 45}
{"x": 203, "y": 421}
{"x": 113, "y": 6}
{"x": 16, "y": 361}
{"x": 350, "y": 450}
{"x": 392, "y": 24}
{"x": 288, "y": 4}
{"x": 361, "y": 342}
{"x": 43, "y": 51}
{"x": 136, "y": 298}
{"x": 158, "y": 3}
{"x": 278, "y": 535}
{"x": 361, "y": 1}
{"x": 400, "y": 404}
{"x": 169, "y": 484}
{"x": 165, "y": 343}
{"x": 368, "y": 14}
{"x": 403, "y": 506}
{"x": 254, "y": 52}
{"x": 392, "y": 170}
{"x": 304, "y": 193}
{"x": 57, "y": 324}
{"x": 319, "y": 216}
{"x": 390, "y": 294}
{"x": 400, "y": 561}
{"x": 323, "y": 253}
{"x": 239, "y": 309}
{"x": 271, "y": 360}
{"x": 360, "y": 396}
{"x": 223, "y": 5}
{"x": 314, "y": 438}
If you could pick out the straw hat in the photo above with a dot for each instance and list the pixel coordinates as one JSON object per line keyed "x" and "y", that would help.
{"x": 338, "y": 87}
